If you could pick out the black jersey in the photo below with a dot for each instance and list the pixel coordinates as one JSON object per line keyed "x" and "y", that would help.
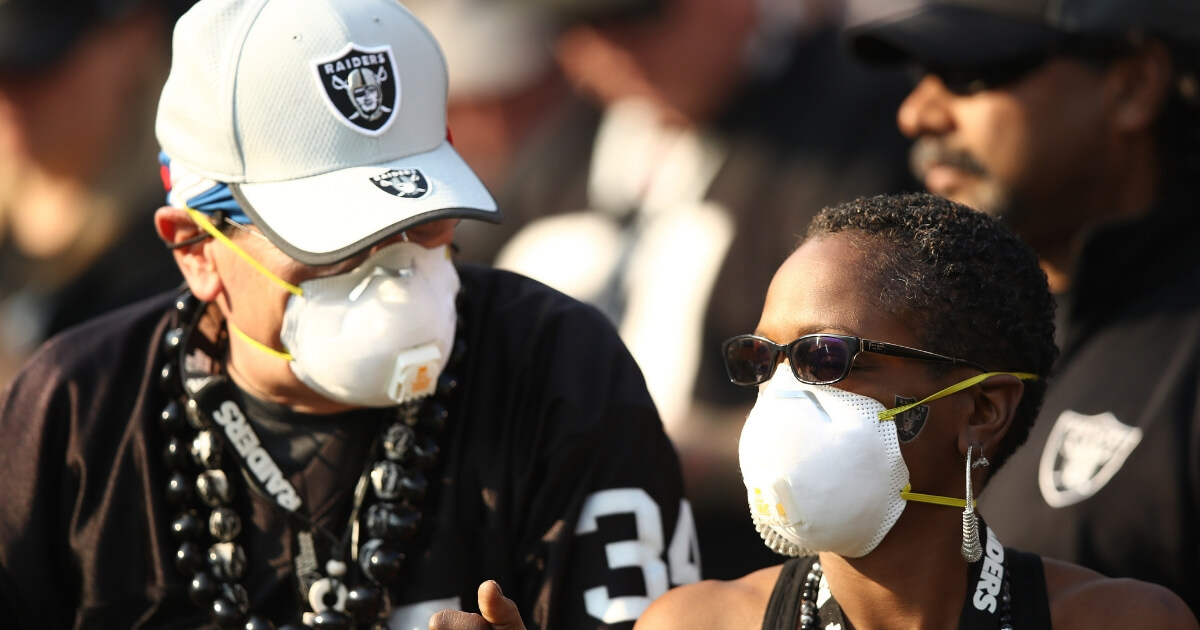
{"x": 1110, "y": 475}
{"x": 555, "y": 479}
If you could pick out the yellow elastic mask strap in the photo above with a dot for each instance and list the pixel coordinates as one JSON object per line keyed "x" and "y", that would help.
{"x": 890, "y": 414}
{"x": 202, "y": 220}
{"x": 908, "y": 495}
{"x": 257, "y": 344}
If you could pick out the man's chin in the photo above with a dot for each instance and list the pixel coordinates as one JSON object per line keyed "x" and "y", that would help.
{"x": 990, "y": 205}
{"x": 968, "y": 189}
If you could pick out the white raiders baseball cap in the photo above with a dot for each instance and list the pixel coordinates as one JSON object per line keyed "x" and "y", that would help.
{"x": 326, "y": 118}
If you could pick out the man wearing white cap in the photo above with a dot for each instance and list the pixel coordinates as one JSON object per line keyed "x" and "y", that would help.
{"x": 333, "y": 425}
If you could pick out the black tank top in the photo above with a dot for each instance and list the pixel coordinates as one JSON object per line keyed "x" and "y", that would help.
{"x": 1030, "y": 603}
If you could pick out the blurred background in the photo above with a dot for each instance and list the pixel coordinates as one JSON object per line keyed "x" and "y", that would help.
{"x": 79, "y": 85}
{"x": 656, "y": 158}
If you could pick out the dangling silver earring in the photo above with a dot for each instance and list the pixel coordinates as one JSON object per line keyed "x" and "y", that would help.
{"x": 972, "y": 551}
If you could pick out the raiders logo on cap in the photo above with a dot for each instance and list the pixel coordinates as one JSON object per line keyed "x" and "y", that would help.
{"x": 405, "y": 182}
{"x": 361, "y": 87}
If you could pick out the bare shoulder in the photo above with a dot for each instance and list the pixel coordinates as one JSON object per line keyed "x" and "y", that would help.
{"x": 713, "y": 604}
{"x": 1082, "y": 598}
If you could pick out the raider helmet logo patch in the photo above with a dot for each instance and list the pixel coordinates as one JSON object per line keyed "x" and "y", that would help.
{"x": 909, "y": 423}
{"x": 361, "y": 87}
{"x": 1082, "y": 454}
{"x": 403, "y": 182}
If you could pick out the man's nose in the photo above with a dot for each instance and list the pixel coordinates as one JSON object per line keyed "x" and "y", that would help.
{"x": 924, "y": 111}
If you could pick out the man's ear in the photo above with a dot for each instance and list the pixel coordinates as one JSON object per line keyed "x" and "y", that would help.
{"x": 1138, "y": 86}
{"x": 996, "y": 400}
{"x": 195, "y": 260}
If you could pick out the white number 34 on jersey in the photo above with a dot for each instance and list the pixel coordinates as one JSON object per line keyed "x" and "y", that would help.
{"x": 644, "y": 552}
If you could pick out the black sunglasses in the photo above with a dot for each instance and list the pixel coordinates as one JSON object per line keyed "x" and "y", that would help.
{"x": 815, "y": 359}
{"x": 967, "y": 80}
{"x": 971, "y": 79}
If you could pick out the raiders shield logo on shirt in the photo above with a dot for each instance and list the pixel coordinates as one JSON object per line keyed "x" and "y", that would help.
{"x": 361, "y": 87}
{"x": 1082, "y": 454}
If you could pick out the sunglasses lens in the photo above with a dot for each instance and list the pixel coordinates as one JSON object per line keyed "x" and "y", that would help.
{"x": 748, "y": 360}
{"x": 967, "y": 80}
{"x": 820, "y": 359}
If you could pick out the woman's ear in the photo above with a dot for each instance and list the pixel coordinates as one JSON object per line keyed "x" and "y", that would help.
{"x": 996, "y": 400}
{"x": 195, "y": 261}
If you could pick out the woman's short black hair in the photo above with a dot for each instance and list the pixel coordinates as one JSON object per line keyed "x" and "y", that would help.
{"x": 970, "y": 287}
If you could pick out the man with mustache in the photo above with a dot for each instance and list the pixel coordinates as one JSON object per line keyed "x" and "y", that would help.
{"x": 1078, "y": 123}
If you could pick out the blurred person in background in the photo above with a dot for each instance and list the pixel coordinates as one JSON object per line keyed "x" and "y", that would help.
{"x": 510, "y": 103}
{"x": 79, "y": 83}
{"x": 1078, "y": 123}
{"x": 503, "y": 80}
{"x": 700, "y": 137}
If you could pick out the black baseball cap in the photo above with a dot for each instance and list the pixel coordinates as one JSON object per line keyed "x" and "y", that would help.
{"x": 575, "y": 11}
{"x": 982, "y": 32}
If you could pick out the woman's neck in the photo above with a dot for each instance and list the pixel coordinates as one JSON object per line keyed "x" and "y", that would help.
{"x": 915, "y": 578}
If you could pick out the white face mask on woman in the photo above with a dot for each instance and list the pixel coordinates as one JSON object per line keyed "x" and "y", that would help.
{"x": 823, "y": 468}
{"x": 377, "y": 335}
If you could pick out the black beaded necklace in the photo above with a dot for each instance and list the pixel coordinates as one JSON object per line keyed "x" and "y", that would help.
{"x": 811, "y": 614}
{"x": 203, "y": 424}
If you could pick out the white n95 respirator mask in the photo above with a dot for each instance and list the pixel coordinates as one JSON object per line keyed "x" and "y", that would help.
{"x": 377, "y": 335}
{"x": 822, "y": 472}
{"x": 823, "y": 468}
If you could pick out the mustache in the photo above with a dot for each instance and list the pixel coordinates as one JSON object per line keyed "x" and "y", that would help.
{"x": 929, "y": 151}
